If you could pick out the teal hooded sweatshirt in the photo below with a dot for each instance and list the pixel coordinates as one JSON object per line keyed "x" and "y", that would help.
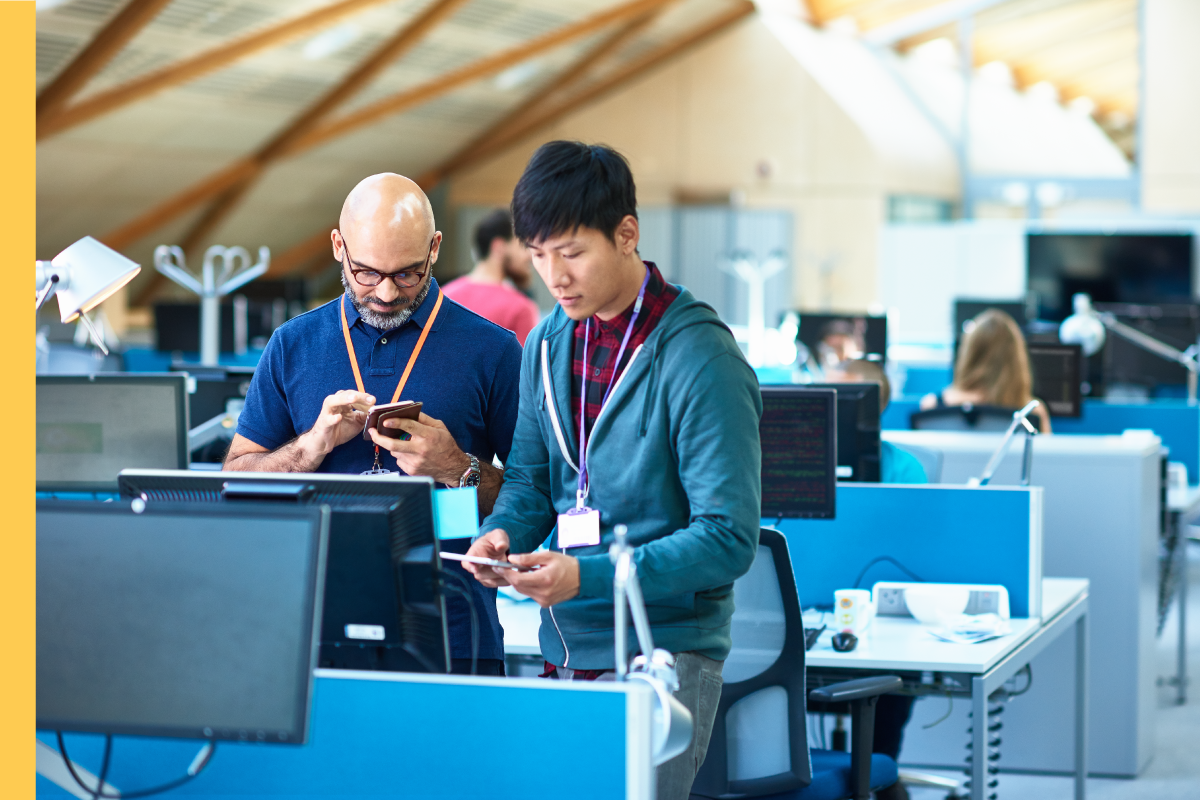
{"x": 674, "y": 455}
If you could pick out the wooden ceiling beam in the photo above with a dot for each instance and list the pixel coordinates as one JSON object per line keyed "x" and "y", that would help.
{"x": 1085, "y": 54}
{"x": 190, "y": 69}
{"x": 540, "y": 95}
{"x": 295, "y": 139}
{"x": 1034, "y": 28}
{"x": 1011, "y": 47}
{"x": 299, "y": 255}
{"x": 490, "y": 65}
{"x": 381, "y": 59}
{"x": 180, "y": 204}
{"x": 246, "y": 169}
{"x": 111, "y": 39}
{"x": 305, "y": 137}
{"x": 311, "y": 248}
{"x": 622, "y": 77}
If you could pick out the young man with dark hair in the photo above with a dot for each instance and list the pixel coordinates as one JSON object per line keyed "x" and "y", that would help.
{"x": 637, "y": 408}
{"x": 488, "y": 290}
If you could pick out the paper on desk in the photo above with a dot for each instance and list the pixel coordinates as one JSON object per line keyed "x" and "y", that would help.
{"x": 973, "y": 629}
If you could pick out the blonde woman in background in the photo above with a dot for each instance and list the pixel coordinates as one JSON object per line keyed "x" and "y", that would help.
{"x": 992, "y": 369}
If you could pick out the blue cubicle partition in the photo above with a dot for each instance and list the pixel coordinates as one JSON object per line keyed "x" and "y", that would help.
{"x": 405, "y": 735}
{"x": 949, "y": 534}
{"x": 1176, "y": 422}
{"x": 143, "y": 359}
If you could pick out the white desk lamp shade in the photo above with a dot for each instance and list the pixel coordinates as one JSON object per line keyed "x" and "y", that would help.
{"x": 89, "y": 273}
{"x": 1083, "y": 327}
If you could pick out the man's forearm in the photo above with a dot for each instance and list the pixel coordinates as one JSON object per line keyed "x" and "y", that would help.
{"x": 490, "y": 478}
{"x": 295, "y": 456}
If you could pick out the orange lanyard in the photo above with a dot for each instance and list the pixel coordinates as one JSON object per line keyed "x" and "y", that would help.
{"x": 412, "y": 360}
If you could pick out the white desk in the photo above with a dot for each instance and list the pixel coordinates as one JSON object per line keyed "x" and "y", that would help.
{"x": 521, "y": 622}
{"x": 902, "y": 645}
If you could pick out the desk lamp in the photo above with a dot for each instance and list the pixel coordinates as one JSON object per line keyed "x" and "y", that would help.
{"x": 655, "y": 666}
{"x": 83, "y": 276}
{"x": 1020, "y": 419}
{"x": 1087, "y": 327}
{"x": 235, "y": 273}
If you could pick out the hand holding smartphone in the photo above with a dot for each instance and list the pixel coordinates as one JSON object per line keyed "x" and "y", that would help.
{"x": 489, "y": 562}
{"x": 405, "y": 409}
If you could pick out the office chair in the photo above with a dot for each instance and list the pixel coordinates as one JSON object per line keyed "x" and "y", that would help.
{"x": 759, "y": 745}
{"x": 931, "y": 460}
{"x": 980, "y": 419}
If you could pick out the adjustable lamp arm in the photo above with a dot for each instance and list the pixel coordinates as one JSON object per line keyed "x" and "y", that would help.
{"x": 627, "y": 589}
{"x": 672, "y": 723}
{"x": 1020, "y": 419}
{"x": 1087, "y": 327}
{"x": 1185, "y": 358}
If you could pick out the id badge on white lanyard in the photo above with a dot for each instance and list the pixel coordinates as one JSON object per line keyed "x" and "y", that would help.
{"x": 580, "y": 526}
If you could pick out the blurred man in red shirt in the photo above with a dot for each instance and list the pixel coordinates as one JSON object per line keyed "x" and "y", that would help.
{"x": 489, "y": 290}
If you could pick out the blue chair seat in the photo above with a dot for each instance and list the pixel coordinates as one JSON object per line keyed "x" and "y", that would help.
{"x": 831, "y": 776}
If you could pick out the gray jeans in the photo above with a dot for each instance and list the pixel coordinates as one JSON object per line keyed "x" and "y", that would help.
{"x": 699, "y": 690}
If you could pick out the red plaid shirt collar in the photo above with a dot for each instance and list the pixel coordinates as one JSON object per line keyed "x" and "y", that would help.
{"x": 605, "y": 340}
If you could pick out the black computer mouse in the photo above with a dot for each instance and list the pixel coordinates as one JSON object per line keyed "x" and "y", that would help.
{"x": 844, "y": 642}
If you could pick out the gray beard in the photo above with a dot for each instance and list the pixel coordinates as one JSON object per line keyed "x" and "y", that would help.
{"x": 388, "y": 320}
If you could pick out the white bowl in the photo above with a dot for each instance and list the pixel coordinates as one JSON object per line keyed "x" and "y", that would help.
{"x": 937, "y": 605}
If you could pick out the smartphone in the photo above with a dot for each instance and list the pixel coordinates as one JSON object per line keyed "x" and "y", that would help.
{"x": 405, "y": 409}
{"x": 488, "y": 562}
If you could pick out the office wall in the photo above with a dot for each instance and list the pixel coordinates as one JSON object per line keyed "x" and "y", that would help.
{"x": 741, "y": 115}
{"x": 1170, "y": 124}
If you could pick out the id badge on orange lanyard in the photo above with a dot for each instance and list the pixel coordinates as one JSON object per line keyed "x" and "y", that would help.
{"x": 378, "y": 468}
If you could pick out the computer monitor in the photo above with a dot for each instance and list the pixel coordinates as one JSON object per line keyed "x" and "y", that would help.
{"x": 1123, "y": 362}
{"x": 857, "y": 430}
{"x": 215, "y": 387}
{"x": 1143, "y": 267}
{"x": 178, "y": 620}
{"x": 383, "y": 608}
{"x": 799, "y": 452}
{"x": 90, "y": 427}
{"x": 831, "y": 338}
{"x": 1057, "y": 377}
{"x": 966, "y": 310}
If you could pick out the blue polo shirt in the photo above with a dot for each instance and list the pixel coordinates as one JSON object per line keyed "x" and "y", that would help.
{"x": 467, "y": 376}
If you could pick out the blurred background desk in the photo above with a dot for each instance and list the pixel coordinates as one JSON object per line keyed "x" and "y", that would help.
{"x": 929, "y": 667}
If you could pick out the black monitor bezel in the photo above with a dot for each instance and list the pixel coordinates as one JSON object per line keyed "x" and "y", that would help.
{"x": 319, "y": 517}
{"x": 179, "y": 381}
{"x": 855, "y": 392}
{"x": 830, "y": 397}
{"x": 1080, "y": 374}
{"x": 307, "y": 483}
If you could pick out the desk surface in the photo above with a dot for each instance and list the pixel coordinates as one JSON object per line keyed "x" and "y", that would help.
{"x": 890, "y": 643}
{"x": 903, "y": 643}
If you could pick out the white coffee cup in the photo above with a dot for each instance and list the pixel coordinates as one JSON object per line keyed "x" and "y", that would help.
{"x": 852, "y": 610}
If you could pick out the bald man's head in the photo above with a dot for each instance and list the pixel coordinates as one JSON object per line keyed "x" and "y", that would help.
{"x": 387, "y": 227}
{"x": 388, "y": 204}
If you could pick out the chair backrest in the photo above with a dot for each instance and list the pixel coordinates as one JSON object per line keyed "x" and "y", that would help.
{"x": 931, "y": 460}
{"x": 965, "y": 418}
{"x": 759, "y": 743}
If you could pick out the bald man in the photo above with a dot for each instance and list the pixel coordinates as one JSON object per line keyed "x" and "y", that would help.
{"x": 307, "y": 404}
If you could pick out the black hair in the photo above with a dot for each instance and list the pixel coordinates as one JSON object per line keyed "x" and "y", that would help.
{"x": 571, "y": 184}
{"x": 496, "y": 225}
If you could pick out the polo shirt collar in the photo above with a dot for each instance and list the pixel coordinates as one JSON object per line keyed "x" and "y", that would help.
{"x": 420, "y": 317}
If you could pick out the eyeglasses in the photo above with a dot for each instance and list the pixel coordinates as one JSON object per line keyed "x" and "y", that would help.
{"x": 405, "y": 279}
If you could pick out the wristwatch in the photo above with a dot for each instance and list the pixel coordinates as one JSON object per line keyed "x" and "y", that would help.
{"x": 471, "y": 476}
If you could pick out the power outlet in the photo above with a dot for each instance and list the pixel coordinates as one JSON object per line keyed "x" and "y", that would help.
{"x": 890, "y": 602}
{"x": 984, "y": 602}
